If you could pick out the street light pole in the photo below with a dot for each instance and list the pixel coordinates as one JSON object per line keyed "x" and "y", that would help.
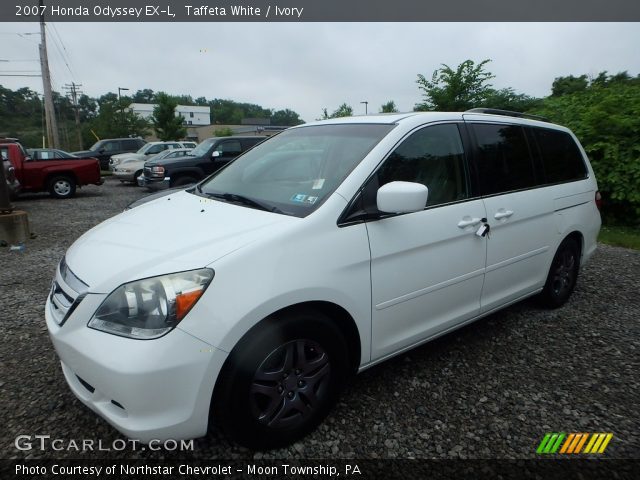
{"x": 121, "y": 89}
{"x": 366, "y": 105}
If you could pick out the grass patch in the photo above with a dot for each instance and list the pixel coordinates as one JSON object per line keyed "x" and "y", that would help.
{"x": 628, "y": 237}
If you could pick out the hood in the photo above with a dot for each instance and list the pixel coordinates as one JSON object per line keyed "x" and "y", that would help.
{"x": 84, "y": 153}
{"x": 171, "y": 161}
{"x": 174, "y": 233}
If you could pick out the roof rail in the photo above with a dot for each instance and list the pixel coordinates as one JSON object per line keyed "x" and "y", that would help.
{"x": 496, "y": 111}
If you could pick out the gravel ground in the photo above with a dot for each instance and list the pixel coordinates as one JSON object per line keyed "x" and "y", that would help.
{"x": 489, "y": 390}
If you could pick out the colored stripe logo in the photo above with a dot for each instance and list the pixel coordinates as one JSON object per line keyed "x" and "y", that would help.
{"x": 574, "y": 443}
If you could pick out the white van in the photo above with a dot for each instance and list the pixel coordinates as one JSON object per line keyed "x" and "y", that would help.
{"x": 315, "y": 255}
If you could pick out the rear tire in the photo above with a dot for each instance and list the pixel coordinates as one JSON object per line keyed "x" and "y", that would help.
{"x": 563, "y": 275}
{"x": 135, "y": 178}
{"x": 281, "y": 380}
{"x": 62, "y": 186}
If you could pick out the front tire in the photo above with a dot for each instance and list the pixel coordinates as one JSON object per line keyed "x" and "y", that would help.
{"x": 563, "y": 275}
{"x": 281, "y": 380}
{"x": 62, "y": 186}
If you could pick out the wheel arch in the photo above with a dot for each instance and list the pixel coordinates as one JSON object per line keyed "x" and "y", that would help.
{"x": 59, "y": 173}
{"x": 186, "y": 172}
{"x": 578, "y": 237}
{"x": 339, "y": 316}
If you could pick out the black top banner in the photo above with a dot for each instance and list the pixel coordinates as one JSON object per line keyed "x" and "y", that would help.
{"x": 321, "y": 10}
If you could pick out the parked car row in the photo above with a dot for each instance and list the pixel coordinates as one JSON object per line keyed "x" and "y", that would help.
{"x": 61, "y": 173}
{"x": 130, "y": 169}
{"x": 208, "y": 157}
{"x": 104, "y": 149}
{"x": 146, "y": 152}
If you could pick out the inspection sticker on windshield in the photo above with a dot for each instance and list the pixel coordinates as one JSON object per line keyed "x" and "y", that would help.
{"x": 318, "y": 183}
{"x": 302, "y": 198}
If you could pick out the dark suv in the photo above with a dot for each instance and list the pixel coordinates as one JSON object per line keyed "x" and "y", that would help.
{"x": 103, "y": 149}
{"x": 207, "y": 158}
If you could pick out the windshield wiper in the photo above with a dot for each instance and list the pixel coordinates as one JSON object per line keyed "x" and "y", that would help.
{"x": 241, "y": 199}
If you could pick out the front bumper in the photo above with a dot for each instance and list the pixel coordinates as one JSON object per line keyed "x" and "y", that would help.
{"x": 157, "y": 184}
{"x": 147, "y": 389}
{"x": 124, "y": 176}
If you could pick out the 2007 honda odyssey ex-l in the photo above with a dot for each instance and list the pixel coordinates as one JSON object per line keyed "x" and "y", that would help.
{"x": 317, "y": 254}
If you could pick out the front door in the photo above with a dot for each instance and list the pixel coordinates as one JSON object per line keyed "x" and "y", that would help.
{"x": 427, "y": 267}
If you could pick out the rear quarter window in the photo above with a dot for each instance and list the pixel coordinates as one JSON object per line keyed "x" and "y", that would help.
{"x": 560, "y": 157}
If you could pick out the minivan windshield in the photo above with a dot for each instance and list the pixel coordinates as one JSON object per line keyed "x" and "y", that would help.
{"x": 295, "y": 171}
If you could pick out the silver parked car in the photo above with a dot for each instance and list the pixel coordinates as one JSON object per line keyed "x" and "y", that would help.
{"x": 130, "y": 169}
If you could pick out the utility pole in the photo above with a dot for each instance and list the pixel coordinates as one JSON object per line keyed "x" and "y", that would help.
{"x": 50, "y": 116}
{"x": 121, "y": 89}
{"x": 74, "y": 91}
{"x": 366, "y": 109}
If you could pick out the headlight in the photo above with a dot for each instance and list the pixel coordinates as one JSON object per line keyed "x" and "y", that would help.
{"x": 151, "y": 307}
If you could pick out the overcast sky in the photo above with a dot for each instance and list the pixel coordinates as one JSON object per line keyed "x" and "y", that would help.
{"x": 309, "y": 66}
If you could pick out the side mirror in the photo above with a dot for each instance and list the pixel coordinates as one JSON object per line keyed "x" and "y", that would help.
{"x": 402, "y": 197}
{"x": 216, "y": 154}
{"x": 101, "y": 150}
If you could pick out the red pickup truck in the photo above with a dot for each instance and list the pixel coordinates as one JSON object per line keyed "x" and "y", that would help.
{"x": 59, "y": 177}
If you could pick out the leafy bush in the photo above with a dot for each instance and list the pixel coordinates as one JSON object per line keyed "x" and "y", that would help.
{"x": 605, "y": 117}
{"x": 223, "y": 132}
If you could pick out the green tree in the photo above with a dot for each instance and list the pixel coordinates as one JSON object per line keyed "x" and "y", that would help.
{"x": 285, "y": 118}
{"x": 455, "y": 90}
{"x": 144, "y": 96}
{"x": 508, "y": 99}
{"x": 605, "y": 116}
{"x": 389, "y": 107}
{"x": 343, "y": 110}
{"x": 568, "y": 85}
{"x": 229, "y": 112}
{"x": 166, "y": 124}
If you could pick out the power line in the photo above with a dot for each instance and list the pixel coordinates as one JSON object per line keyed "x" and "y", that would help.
{"x": 68, "y": 57}
{"x": 59, "y": 49}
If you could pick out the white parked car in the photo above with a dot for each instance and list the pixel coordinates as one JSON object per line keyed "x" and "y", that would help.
{"x": 320, "y": 252}
{"x": 146, "y": 151}
{"x": 129, "y": 169}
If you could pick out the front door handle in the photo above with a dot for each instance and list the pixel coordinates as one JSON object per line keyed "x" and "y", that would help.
{"x": 503, "y": 214}
{"x": 469, "y": 222}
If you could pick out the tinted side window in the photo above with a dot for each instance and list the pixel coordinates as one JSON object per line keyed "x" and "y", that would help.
{"x": 504, "y": 162}
{"x": 247, "y": 143}
{"x": 561, "y": 158}
{"x": 111, "y": 146}
{"x": 131, "y": 144}
{"x": 434, "y": 157}
{"x": 156, "y": 149}
{"x": 229, "y": 147}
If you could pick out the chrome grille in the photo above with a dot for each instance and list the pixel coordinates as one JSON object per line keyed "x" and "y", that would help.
{"x": 66, "y": 294}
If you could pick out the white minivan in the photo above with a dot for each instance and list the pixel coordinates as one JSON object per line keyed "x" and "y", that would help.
{"x": 247, "y": 302}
